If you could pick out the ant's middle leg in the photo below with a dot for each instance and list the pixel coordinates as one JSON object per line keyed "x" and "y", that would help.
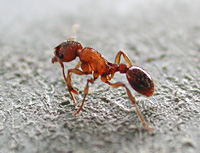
{"x": 118, "y": 56}
{"x": 76, "y": 67}
{"x": 91, "y": 80}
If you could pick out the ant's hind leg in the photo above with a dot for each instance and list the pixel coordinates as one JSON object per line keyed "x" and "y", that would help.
{"x": 120, "y": 84}
{"x": 118, "y": 57}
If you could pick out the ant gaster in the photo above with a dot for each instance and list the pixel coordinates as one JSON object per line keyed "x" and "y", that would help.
{"x": 91, "y": 62}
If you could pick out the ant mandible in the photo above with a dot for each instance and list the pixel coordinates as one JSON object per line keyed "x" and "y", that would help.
{"x": 91, "y": 62}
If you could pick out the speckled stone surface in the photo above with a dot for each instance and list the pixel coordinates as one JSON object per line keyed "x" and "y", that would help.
{"x": 36, "y": 111}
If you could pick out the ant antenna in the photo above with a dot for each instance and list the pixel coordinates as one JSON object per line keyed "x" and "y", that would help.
{"x": 75, "y": 27}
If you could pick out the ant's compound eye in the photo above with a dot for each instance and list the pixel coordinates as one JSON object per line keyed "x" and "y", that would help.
{"x": 61, "y": 56}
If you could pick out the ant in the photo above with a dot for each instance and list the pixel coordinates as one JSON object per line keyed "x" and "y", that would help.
{"x": 92, "y": 62}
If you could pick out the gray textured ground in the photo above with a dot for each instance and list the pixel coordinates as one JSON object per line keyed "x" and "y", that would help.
{"x": 36, "y": 111}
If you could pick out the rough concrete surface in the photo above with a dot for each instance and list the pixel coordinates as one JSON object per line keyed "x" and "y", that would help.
{"x": 36, "y": 111}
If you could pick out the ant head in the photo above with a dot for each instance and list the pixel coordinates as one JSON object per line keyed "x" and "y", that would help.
{"x": 140, "y": 81}
{"x": 66, "y": 51}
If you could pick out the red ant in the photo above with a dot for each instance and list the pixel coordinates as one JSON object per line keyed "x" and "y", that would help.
{"x": 91, "y": 62}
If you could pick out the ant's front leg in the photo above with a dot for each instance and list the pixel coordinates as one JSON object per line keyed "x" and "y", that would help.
{"x": 68, "y": 82}
{"x": 120, "y": 84}
{"x": 118, "y": 56}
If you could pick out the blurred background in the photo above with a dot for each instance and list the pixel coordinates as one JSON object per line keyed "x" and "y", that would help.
{"x": 36, "y": 110}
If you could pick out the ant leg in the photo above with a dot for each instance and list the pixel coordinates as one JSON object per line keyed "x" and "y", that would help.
{"x": 118, "y": 56}
{"x": 95, "y": 76}
{"x": 120, "y": 84}
{"x": 85, "y": 94}
{"x": 68, "y": 82}
{"x": 78, "y": 65}
{"x": 63, "y": 71}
